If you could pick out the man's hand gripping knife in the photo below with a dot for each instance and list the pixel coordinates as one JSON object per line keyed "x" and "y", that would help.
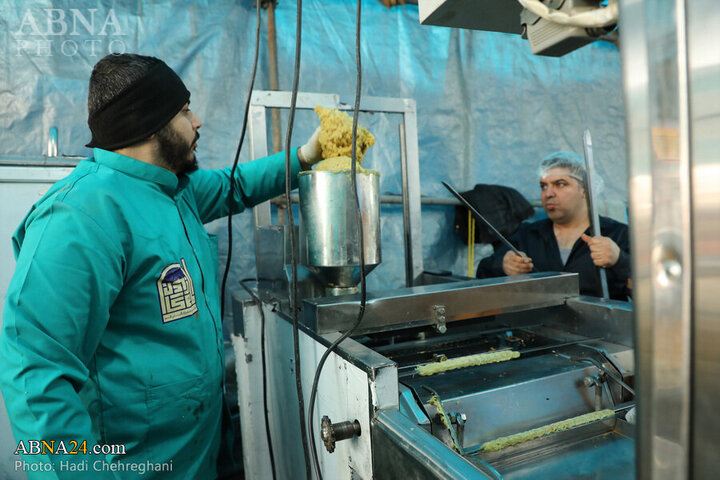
{"x": 514, "y": 264}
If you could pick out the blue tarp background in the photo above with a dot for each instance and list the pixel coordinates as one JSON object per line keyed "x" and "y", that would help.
{"x": 488, "y": 110}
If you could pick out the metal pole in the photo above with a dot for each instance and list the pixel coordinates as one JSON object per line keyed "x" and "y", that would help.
{"x": 499, "y": 235}
{"x": 594, "y": 217}
{"x": 406, "y": 209}
{"x": 274, "y": 83}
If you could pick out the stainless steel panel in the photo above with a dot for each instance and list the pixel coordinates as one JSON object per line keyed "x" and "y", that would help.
{"x": 329, "y": 235}
{"x": 401, "y": 449}
{"x": 611, "y": 320}
{"x": 366, "y": 359}
{"x": 259, "y": 149}
{"x": 247, "y": 350}
{"x": 460, "y": 300}
{"x": 406, "y": 207}
{"x": 586, "y": 316}
{"x": 554, "y": 392}
{"x": 704, "y": 65}
{"x": 411, "y": 199}
{"x": 655, "y": 82}
{"x": 272, "y": 252}
{"x": 384, "y": 390}
{"x": 633, "y": 31}
{"x": 491, "y": 15}
{"x": 355, "y": 382}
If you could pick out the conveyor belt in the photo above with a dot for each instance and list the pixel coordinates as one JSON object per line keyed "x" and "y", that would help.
{"x": 417, "y": 352}
{"x": 411, "y": 370}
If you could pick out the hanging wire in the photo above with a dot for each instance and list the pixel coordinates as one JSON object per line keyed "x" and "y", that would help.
{"x": 293, "y": 243}
{"x": 231, "y": 196}
{"x": 363, "y": 295}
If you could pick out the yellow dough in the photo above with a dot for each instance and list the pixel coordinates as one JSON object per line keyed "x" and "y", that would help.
{"x": 336, "y": 137}
{"x": 467, "y": 361}
{"x": 434, "y": 400}
{"x": 338, "y": 164}
{"x": 504, "y": 442}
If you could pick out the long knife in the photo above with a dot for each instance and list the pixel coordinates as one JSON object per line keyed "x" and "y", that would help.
{"x": 484, "y": 220}
{"x": 594, "y": 216}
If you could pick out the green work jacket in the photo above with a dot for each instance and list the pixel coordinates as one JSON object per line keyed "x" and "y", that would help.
{"x": 112, "y": 330}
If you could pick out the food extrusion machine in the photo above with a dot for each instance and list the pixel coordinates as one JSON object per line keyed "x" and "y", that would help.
{"x": 556, "y": 410}
{"x": 445, "y": 378}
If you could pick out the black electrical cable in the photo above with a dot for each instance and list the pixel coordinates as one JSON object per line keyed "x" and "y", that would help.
{"x": 230, "y": 199}
{"x": 293, "y": 242}
{"x": 231, "y": 196}
{"x": 264, "y": 371}
{"x": 363, "y": 295}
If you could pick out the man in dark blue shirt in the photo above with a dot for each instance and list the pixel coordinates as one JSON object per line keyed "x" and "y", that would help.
{"x": 562, "y": 242}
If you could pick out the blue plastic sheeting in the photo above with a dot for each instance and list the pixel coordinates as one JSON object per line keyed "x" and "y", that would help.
{"x": 488, "y": 110}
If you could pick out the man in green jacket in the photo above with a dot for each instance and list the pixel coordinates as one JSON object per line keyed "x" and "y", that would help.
{"x": 112, "y": 342}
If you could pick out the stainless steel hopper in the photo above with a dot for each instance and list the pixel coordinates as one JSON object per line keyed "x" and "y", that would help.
{"x": 329, "y": 234}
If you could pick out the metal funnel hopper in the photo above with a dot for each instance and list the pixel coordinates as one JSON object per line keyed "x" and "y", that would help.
{"x": 329, "y": 234}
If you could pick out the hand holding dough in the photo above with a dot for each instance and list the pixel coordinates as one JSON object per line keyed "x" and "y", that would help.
{"x": 336, "y": 139}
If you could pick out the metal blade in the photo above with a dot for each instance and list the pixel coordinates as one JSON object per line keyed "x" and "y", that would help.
{"x": 594, "y": 216}
{"x": 478, "y": 215}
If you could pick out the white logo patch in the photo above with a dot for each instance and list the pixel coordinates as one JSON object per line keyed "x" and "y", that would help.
{"x": 176, "y": 292}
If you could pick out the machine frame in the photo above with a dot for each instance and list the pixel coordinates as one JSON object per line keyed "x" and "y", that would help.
{"x": 261, "y": 100}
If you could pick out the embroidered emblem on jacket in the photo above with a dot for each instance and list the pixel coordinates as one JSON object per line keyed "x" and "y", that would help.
{"x": 176, "y": 292}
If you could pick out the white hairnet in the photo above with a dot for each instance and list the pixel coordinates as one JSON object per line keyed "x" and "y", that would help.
{"x": 574, "y": 164}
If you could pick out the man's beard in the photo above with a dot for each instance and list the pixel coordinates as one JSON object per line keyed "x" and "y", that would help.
{"x": 177, "y": 155}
